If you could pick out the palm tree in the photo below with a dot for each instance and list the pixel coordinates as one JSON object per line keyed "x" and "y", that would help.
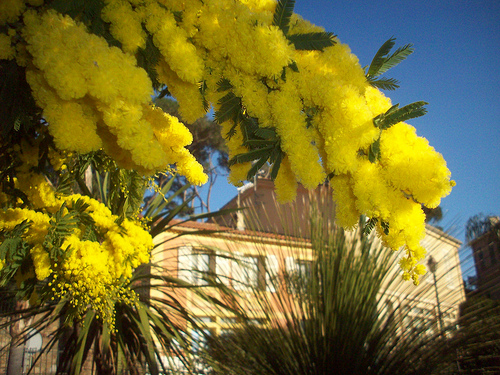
{"x": 478, "y": 225}
{"x": 337, "y": 316}
{"x": 147, "y": 328}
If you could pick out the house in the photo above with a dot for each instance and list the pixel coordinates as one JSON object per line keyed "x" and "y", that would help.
{"x": 242, "y": 255}
{"x": 486, "y": 253}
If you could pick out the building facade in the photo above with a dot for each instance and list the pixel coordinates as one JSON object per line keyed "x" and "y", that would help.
{"x": 254, "y": 248}
{"x": 486, "y": 253}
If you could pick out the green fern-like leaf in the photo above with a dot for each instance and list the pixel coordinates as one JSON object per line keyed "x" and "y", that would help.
{"x": 252, "y": 155}
{"x": 147, "y": 58}
{"x": 374, "y": 152}
{"x": 382, "y": 62}
{"x": 396, "y": 114}
{"x": 312, "y": 41}
{"x": 15, "y": 250}
{"x": 389, "y": 84}
{"x": 385, "y": 227}
{"x": 293, "y": 66}
{"x": 256, "y": 167}
{"x": 223, "y": 85}
{"x": 398, "y": 56}
{"x": 18, "y": 110}
{"x": 369, "y": 226}
{"x": 12, "y": 238}
{"x": 380, "y": 57}
{"x": 276, "y": 165}
{"x": 203, "y": 89}
{"x": 230, "y": 106}
{"x": 282, "y": 14}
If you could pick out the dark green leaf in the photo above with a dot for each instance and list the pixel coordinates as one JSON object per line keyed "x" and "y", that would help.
{"x": 64, "y": 185}
{"x": 374, "y": 152}
{"x": 163, "y": 92}
{"x": 256, "y": 167}
{"x": 276, "y": 165}
{"x": 282, "y": 14}
{"x": 398, "y": 56}
{"x": 316, "y": 41}
{"x": 385, "y": 227}
{"x": 147, "y": 58}
{"x": 293, "y": 66}
{"x": 396, "y": 114}
{"x": 380, "y": 57}
{"x": 230, "y": 107}
{"x": 383, "y": 62}
{"x": 266, "y": 133}
{"x": 283, "y": 74}
{"x": 390, "y": 84}
{"x": 178, "y": 16}
{"x": 77, "y": 361}
{"x": 259, "y": 143}
{"x": 251, "y": 155}
{"x": 223, "y": 85}
{"x": 370, "y": 224}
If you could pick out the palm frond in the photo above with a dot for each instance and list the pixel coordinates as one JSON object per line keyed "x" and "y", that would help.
{"x": 340, "y": 315}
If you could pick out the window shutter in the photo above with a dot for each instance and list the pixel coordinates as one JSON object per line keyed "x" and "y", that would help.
{"x": 185, "y": 263}
{"x": 223, "y": 267}
{"x": 272, "y": 268}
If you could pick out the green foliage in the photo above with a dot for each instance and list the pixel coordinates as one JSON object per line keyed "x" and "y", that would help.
{"x": 395, "y": 114}
{"x": 315, "y": 41}
{"x": 230, "y": 109}
{"x": 374, "y": 151}
{"x": 340, "y": 315}
{"x": 264, "y": 144}
{"x": 64, "y": 222}
{"x": 391, "y": 117}
{"x": 383, "y": 61}
{"x": 283, "y": 14}
{"x": 147, "y": 58}
{"x": 312, "y": 41}
{"x": 18, "y": 111}
{"x": 14, "y": 251}
{"x": 433, "y": 215}
{"x": 478, "y": 225}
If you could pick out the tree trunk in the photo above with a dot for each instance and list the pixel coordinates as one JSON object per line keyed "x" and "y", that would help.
{"x": 17, "y": 343}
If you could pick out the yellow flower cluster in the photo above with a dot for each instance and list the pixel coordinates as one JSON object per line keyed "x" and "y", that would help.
{"x": 89, "y": 272}
{"x": 97, "y": 96}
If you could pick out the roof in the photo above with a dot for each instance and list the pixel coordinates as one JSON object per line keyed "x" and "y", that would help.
{"x": 210, "y": 228}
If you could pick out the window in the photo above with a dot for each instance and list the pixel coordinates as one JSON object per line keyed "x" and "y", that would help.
{"x": 201, "y": 268}
{"x": 271, "y": 277}
{"x": 196, "y": 266}
{"x": 248, "y": 272}
{"x": 298, "y": 273}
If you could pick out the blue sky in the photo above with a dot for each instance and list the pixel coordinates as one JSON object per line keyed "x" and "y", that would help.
{"x": 455, "y": 68}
